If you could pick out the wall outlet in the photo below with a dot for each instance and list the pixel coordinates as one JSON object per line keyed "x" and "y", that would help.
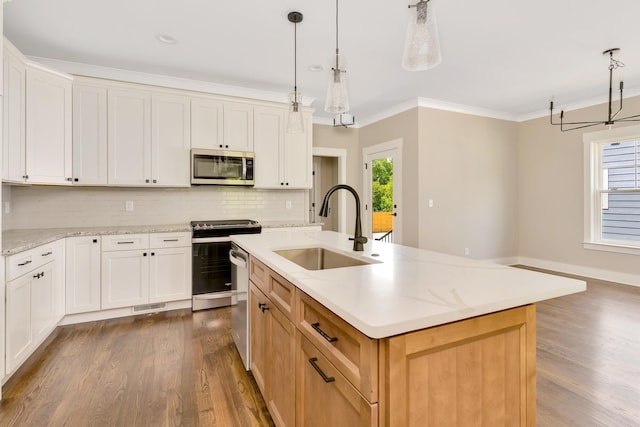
{"x": 128, "y": 205}
{"x": 7, "y": 207}
{"x": 288, "y": 204}
{"x": 466, "y": 251}
{"x": 430, "y": 203}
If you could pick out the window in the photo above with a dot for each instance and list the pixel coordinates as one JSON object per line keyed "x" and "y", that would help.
{"x": 612, "y": 202}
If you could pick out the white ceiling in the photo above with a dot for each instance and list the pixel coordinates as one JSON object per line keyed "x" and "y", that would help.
{"x": 507, "y": 56}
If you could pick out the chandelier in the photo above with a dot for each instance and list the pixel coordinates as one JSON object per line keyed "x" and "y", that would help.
{"x": 611, "y": 117}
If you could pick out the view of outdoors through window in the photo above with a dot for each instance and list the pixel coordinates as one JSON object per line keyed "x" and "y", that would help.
{"x": 382, "y": 199}
{"x": 621, "y": 196}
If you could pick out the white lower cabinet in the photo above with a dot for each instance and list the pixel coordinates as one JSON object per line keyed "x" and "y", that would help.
{"x": 34, "y": 300}
{"x": 151, "y": 271}
{"x": 82, "y": 260}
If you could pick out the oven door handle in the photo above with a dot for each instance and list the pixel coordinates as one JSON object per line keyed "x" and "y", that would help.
{"x": 236, "y": 258}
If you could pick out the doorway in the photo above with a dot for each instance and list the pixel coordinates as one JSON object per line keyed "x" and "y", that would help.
{"x": 382, "y": 188}
{"x": 329, "y": 169}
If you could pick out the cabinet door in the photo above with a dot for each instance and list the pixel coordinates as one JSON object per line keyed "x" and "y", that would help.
{"x": 207, "y": 124}
{"x": 170, "y": 139}
{"x": 129, "y": 137}
{"x": 125, "y": 278}
{"x": 13, "y": 141}
{"x": 238, "y": 127}
{"x": 281, "y": 395}
{"x": 169, "y": 274}
{"x": 19, "y": 338}
{"x": 48, "y": 128}
{"x": 82, "y": 274}
{"x": 324, "y": 396}
{"x": 259, "y": 320}
{"x": 43, "y": 301}
{"x": 89, "y": 135}
{"x": 297, "y": 156}
{"x": 269, "y": 136}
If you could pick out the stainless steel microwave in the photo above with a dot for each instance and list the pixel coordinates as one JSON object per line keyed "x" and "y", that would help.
{"x": 221, "y": 167}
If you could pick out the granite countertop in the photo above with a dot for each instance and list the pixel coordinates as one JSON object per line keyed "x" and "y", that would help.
{"x": 404, "y": 289}
{"x": 15, "y": 241}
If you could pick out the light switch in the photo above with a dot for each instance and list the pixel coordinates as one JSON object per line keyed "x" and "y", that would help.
{"x": 430, "y": 203}
{"x": 128, "y": 205}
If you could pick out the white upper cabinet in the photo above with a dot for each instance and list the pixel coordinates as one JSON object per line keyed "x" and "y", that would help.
{"x": 221, "y": 125}
{"x": 89, "y": 135}
{"x": 13, "y": 138}
{"x": 37, "y": 122}
{"x": 129, "y": 137}
{"x": 171, "y": 140}
{"x": 48, "y": 127}
{"x": 207, "y": 124}
{"x": 238, "y": 127}
{"x": 282, "y": 160}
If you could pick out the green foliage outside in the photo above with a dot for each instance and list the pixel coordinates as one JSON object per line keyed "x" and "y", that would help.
{"x": 382, "y": 188}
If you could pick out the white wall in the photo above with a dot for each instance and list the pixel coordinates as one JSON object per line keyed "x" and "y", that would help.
{"x": 53, "y": 207}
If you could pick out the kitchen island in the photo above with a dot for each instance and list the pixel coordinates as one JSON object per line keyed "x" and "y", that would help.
{"x": 411, "y": 337}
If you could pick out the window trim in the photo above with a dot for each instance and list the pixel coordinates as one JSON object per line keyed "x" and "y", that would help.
{"x": 592, "y": 213}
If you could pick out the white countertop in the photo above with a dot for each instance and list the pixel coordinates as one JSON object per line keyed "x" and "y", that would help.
{"x": 410, "y": 289}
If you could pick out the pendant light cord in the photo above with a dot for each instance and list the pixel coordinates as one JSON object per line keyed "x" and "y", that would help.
{"x": 337, "y": 66}
{"x": 295, "y": 61}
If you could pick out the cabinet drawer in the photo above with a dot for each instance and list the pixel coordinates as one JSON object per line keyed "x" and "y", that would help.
{"x": 169, "y": 240}
{"x": 329, "y": 399}
{"x": 354, "y": 354}
{"x": 259, "y": 273}
{"x": 282, "y": 294}
{"x": 125, "y": 242}
{"x": 21, "y": 263}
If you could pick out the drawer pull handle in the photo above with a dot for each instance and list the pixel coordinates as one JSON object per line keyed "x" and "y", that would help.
{"x": 262, "y": 306}
{"x": 170, "y": 240}
{"x": 25, "y": 263}
{"x": 47, "y": 253}
{"x": 316, "y": 326}
{"x": 326, "y": 379}
{"x": 126, "y": 243}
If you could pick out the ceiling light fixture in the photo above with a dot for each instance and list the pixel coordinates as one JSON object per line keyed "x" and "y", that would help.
{"x": 344, "y": 120}
{"x": 422, "y": 44}
{"x": 337, "y": 100}
{"x": 295, "y": 121}
{"x": 611, "y": 118}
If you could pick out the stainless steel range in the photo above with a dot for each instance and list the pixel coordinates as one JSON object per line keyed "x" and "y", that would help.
{"x": 211, "y": 281}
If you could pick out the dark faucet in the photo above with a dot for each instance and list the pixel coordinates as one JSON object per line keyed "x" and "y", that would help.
{"x": 358, "y": 239}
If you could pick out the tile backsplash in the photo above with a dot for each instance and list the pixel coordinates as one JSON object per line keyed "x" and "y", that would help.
{"x": 53, "y": 207}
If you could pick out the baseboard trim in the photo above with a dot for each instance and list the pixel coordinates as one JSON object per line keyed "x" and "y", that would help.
{"x": 72, "y": 319}
{"x": 579, "y": 270}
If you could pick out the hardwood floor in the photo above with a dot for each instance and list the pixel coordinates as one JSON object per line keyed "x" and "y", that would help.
{"x": 166, "y": 369}
{"x": 179, "y": 369}
{"x": 588, "y": 358}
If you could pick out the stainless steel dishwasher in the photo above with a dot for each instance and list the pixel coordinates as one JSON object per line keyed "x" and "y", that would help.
{"x": 240, "y": 301}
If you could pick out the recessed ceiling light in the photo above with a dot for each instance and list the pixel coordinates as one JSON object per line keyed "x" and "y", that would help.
{"x": 315, "y": 67}
{"x": 166, "y": 38}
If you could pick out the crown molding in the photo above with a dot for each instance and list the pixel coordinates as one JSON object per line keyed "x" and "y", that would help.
{"x": 98, "y": 71}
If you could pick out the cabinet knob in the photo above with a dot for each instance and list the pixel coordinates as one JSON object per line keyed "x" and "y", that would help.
{"x": 155, "y": 181}
{"x": 76, "y": 179}
{"x": 287, "y": 183}
{"x": 153, "y": 254}
{"x": 69, "y": 179}
{"x": 282, "y": 183}
{"x": 146, "y": 180}
{"x": 144, "y": 254}
{"x": 95, "y": 240}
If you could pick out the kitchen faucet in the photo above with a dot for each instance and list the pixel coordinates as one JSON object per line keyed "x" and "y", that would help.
{"x": 358, "y": 239}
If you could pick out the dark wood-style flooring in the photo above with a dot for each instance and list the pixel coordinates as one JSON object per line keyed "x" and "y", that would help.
{"x": 182, "y": 369}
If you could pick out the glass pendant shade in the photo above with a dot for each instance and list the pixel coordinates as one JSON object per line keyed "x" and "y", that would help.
{"x": 295, "y": 121}
{"x": 422, "y": 45}
{"x": 337, "y": 100}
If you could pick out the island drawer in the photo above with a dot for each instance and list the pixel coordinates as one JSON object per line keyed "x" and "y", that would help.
{"x": 354, "y": 354}
{"x": 258, "y": 274}
{"x": 279, "y": 290}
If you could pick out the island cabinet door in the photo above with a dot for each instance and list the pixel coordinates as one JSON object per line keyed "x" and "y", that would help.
{"x": 324, "y": 397}
{"x": 475, "y": 372}
{"x": 259, "y": 327}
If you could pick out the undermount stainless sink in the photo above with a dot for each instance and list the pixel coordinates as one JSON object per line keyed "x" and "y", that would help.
{"x": 318, "y": 258}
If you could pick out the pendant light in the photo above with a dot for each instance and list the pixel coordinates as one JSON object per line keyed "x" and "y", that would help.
{"x": 295, "y": 121}
{"x": 337, "y": 100}
{"x": 422, "y": 45}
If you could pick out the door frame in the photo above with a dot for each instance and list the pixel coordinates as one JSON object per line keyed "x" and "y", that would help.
{"x": 341, "y": 155}
{"x": 368, "y": 154}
